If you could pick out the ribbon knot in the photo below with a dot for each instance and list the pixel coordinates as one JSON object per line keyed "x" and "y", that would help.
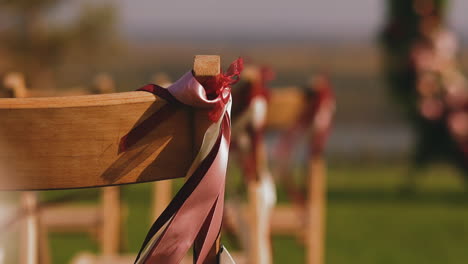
{"x": 219, "y": 88}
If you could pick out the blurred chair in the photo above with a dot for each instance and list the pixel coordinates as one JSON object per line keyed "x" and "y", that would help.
{"x": 307, "y": 113}
{"x": 249, "y": 120}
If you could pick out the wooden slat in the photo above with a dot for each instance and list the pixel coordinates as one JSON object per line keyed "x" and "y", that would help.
{"x": 316, "y": 202}
{"x": 162, "y": 195}
{"x": 76, "y": 218}
{"x": 255, "y": 247}
{"x": 71, "y": 142}
{"x": 111, "y": 220}
{"x": 29, "y": 234}
{"x": 285, "y": 220}
{"x": 15, "y": 86}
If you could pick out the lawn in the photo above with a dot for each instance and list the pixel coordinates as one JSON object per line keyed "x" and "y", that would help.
{"x": 369, "y": 219}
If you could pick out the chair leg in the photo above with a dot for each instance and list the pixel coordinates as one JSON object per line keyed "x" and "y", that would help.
{"x": 110, "y": 221}
{"x": 162, "y": 196}
{"x": 29, "y": 232}
{"x": 316, "y": 211}
{"x": 44, "y": 249}
{"x": 253, "y": 242}
{"x": 259, "y": 245}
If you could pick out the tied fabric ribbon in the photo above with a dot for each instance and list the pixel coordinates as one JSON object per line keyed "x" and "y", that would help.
{"x": 220, "y": 87}
{"x": 194, "y": 216}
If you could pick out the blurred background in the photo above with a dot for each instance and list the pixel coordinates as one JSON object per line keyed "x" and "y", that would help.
{"x": 383, "y": 205}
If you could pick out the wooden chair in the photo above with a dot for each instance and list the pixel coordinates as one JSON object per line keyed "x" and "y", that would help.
{"x": 72, "y": 142}
{"x": 249, "y": 116}
{"x": 286, "y": 104}
{"x": 69, "y": 218}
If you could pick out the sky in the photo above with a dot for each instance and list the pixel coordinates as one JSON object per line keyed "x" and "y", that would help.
{"x": 293, "y": 18}
{"x": 256, "y": 18}
{"x": 315, "y": 19}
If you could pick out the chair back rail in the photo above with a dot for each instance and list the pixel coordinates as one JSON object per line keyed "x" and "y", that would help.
{"x": 162, "y": 190}
{"x": 72, "y": 142}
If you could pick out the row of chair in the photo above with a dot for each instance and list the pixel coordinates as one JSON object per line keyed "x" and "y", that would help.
{"x": 60, "y": 165}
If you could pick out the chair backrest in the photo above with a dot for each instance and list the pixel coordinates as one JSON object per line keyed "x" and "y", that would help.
{"x": 284, "y": 107}
{"x": 73, "y": 142}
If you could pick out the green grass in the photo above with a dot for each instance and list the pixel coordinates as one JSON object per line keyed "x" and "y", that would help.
{"x": 369, "y": 219}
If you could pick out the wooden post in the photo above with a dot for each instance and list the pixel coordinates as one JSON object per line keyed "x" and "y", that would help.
{"x": 162, "y": 195}
{"x": 161, "y": 79}
{"x": 206, "y": 66}
{"x": 254, "y": 247}
{"x": 110, "y": 220}
{"x": 44, "y": 247}
{"x": 29, "y": 237}
{"x": 103, "y": 83}
{"x": 15, "y": 82}
{"x": 315, "y": 235}
{"x": 259, "y": 250}
{"x": 259, "y": 212}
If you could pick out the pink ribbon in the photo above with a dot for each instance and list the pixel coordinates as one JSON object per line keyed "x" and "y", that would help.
{"x": 195, "y": 213}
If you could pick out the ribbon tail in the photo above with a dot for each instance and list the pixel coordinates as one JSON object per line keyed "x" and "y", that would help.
{"x": 214, "y": 228}
{"x": 187, "y": 222}
{"x": 209, "y": 233}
